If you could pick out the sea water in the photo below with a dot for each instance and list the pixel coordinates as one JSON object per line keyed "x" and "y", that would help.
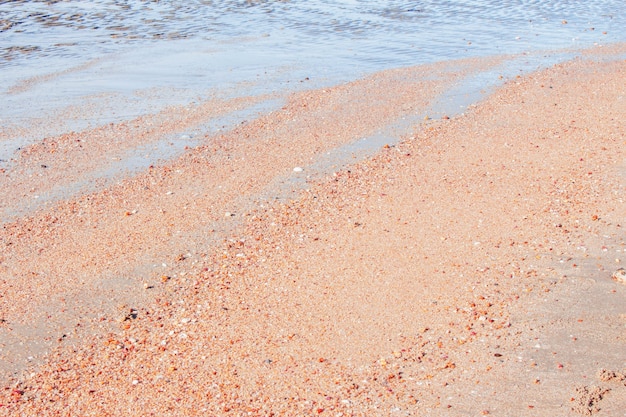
{"x": 114, "y": 60}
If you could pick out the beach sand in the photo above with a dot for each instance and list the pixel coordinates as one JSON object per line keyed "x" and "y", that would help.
{"x": 465, "y": 270}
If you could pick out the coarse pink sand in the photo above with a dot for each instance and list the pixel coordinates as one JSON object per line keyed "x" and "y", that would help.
{"x": 464, "y": 271}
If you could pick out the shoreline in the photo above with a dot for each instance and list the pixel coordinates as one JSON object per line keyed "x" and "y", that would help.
{"x": 400, "y": 284}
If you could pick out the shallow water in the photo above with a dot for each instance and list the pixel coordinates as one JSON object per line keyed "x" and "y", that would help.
{"x": 114, "y": 60}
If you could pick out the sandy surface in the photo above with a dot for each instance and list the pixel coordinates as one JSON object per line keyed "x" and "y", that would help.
{"x": 464, "y": 271}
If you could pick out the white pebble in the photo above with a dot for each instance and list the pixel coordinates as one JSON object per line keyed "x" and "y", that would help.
{"x": 298, "y": 169}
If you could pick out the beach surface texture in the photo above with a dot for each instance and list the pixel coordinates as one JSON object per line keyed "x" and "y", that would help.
{"x": 467, "y": 268}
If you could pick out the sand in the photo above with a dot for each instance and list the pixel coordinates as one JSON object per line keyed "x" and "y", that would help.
{"x": 465, "y": 270}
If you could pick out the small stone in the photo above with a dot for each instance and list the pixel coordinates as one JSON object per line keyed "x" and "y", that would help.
{"x": 228, "y": 214}
{"x": 298, "y": 169}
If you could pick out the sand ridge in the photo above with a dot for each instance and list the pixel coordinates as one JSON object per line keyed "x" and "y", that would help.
{"x": 80, "y": 259}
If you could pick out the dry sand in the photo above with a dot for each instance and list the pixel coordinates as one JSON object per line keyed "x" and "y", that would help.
{"x": 464, "y": 271}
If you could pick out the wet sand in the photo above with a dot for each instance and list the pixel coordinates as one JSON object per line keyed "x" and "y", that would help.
{"x": 463, "y": 271}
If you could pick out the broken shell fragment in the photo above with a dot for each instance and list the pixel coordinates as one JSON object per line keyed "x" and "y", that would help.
{"x": 620, "y": 276}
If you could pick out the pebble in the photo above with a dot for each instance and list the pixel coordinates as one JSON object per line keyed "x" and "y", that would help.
{"x": 298, "y": 169}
